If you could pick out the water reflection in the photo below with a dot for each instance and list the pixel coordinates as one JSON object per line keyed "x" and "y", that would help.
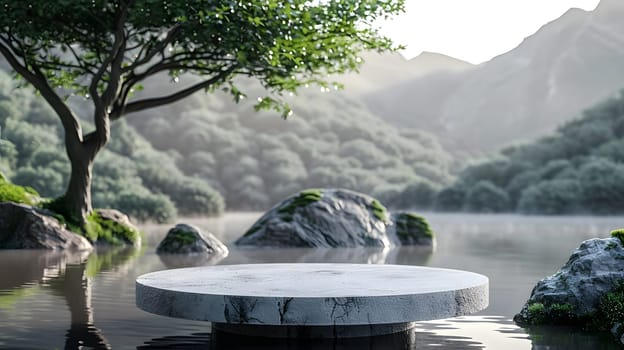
{"x": 174, "y": 261}
{"x": 410, "y": 255}
{"x": 68, "y": 275}
{"x": 227, "y": 341}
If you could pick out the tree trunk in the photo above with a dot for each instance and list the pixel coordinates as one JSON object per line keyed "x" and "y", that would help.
{"x": 78, "y": 195}
{"x": 76, "y": 203}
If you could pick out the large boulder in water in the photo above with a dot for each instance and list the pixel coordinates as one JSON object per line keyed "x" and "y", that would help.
{"x": 326, "y": 218}
{"x": 587, "y": 291}
{"x": 25, "y": 227}
{"x": 188, "y": 239}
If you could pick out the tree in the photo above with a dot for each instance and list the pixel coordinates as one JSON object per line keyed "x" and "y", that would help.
{"x": 105, "y": 49}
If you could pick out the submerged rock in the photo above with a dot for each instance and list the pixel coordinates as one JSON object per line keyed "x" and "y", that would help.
{"x": 25, "y": 227}
{"x": 330, "y": 218}
{"x": 188, "y": 239}
{"x": 588, "y": 291}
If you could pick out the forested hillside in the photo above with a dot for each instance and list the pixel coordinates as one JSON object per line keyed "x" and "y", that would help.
{"x": 184, "y": 155}
{"x": 130, "y": 175}
{"x": 580, "y": 169}
{"x": 256, "y": 159}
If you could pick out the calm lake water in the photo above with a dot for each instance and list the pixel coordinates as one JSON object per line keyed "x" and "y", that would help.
{"x": 56, "y": 300}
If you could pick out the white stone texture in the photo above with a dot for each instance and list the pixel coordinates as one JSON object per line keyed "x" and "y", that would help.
{"x": 312, "y": 294}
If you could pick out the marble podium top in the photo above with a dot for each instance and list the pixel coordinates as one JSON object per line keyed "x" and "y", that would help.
{"x": 312, "y": 294}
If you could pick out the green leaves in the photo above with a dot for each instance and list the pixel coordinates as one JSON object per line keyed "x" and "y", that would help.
{"x": 283, "y": 44}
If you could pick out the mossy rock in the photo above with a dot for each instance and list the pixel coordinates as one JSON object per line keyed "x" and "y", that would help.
{"x": 322, "y": 218}
{"x": 17, "y": 194}
{"x": 303, "y": 199}
{"x": 619, "y": 234}
{"x": 188, "y": 239}
{"x": 412, "y": 229}
{"x": 587, "y": 292}
{"x": 111, "y": 227}
{"x": 378, "y": 209}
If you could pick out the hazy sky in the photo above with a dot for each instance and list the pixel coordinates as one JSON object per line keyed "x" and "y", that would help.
{"x": 473, "y": 30}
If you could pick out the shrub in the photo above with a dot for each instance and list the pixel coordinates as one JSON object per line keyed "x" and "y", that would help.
{"x": 419, "y": 195}
{"x": 551, "y": 197}
{"x": 450, "y": 199}
{"x": 146, "y": 206}
{"x": 602, "y": 186}
{"x": 485, "y": 197}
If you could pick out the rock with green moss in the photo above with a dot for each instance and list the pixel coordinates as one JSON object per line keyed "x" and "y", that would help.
{"x": 587, "y": 291}
{"x": 323, "y": 218}
{"x": 25, "y": 227}
{"x": 17, "y": 194}
{"x": 411, "y": 229}
{"x": 188, "y": 239}
{"x": 111, "y": 227}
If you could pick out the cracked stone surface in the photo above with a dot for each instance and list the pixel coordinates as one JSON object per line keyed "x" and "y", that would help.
{"x": 312, "y": 294}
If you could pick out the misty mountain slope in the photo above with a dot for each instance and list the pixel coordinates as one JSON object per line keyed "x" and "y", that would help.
{"x": 568, "y": 65}
{"x": 256, "y": 159}
{"x": 384, "y": 70}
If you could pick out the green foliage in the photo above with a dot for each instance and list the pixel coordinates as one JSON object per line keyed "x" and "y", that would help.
{"x": 450, "y": 199}
{"x": 104, "y": 51}
{"x": 537, "y": 313}
{"x": 285, "y": 45}
{"x": 619, "y": 234}
{"x": 485, "y": 197}
{"x": 408, "y": 225}
{"x": 304, "y": 198}
{"x": 144, "y": 206}
{"x": 257, "y": 160}
{"x": 180, "y": 236}
{"x": 551, "y": 197}
{"x": 579, "y": 169}
{"x": 560, "y": 314}
{"x": 100, "y": 230}
{"x": 379, "y": 211}
{"x": 418, "y": 195}
{"x": 18, "y": 194}
{"x": 611, "y": 306}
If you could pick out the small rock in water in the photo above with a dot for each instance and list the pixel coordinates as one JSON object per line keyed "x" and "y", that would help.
{"x": 412, "y": 229}
{"x": 188, "y": 239}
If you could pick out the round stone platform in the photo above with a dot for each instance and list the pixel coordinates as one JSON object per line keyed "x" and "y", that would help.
{"x": 312, "y": 300}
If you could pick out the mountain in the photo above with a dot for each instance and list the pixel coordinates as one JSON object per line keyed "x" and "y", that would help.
{"x": 384, "y": 70}
{"x": 567, "y": 65}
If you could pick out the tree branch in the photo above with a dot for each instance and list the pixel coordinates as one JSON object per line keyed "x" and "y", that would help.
{"x": 96, "y": 140}
{"x": 73, "y": 131}
{"x": 161, "y": 45}
{"x": 163, "y": 100}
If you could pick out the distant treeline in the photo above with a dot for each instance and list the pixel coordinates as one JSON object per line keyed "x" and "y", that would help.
{"x": 580, "y": 169}
{"x": 205, "y": 154}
